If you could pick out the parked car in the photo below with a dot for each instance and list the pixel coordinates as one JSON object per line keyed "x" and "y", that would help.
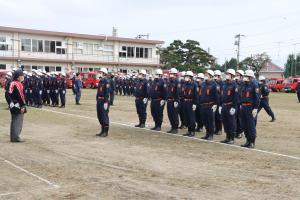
{"x": 89, "y": 79}
{"x": 290, "y": 84}
{"x": 276, "y": 84}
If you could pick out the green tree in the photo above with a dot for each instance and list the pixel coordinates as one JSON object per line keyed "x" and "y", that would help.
{"x": 186, "y": 56}
{"x": 256, "y": 62}
{"x": 292, "y": 66}
{"x": 231, "y": 64}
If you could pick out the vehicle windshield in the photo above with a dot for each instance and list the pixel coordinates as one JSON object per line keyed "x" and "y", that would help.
{"x": 287, "y": 81}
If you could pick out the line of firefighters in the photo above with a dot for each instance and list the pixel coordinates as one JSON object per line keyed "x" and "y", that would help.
{"x": 41, "y": 88}
{"x": 202, "y": 100}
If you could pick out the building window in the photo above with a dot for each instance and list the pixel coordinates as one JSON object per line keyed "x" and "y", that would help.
{"x": 40, "y": 46}
{"x": 34, "y": 45}
{"x": 52, "y": 46}
{"x": 139, "y": 52}
{"x": 108, "y": 48}
{"x": 26, "y": 44}
{"x": 3, "y": 47}
{"x": 88, "y": 49}
{"x": 2, "y": 39}
{"x": 60, "y": 49}
{"x": 123, "y": 52}
{"x": 130, "y": 52}
{"x": 34, "y": 67}
{"x": 58, "y": 69}
{"x": 2, "y": 66}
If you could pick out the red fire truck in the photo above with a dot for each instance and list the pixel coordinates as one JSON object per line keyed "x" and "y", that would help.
{"x": 89, "y": 79}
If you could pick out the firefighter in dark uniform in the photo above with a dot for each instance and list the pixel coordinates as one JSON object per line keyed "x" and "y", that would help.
{"x": 62, "y": 89}
{"x": 117, "y": 80}
{"x": 7, "y": 84}
{"x": 218, "y": 118}
{"x": 298, "y": 90}
{"x": 249, "y": 107}
{"x": 239, "y": 124}
{"x": 40, "y": 87}
{"x": 189, "y": 104}
{"x": 181, "y": 93}
{"x": 199, "y": 115}
{"x": 158, "y": 95}
{"x": 209, "y": 102}
{"x": 77, "y": 87}
{"x": 46, "y": 100}
{"x": 173, "y": 100}
{"x": 264, "y": 98}
{"x": 228, "y": 108}
{"x": 102, "y": 99}
{"x": 141, "y": 94}
{"x": 112, "y": 90}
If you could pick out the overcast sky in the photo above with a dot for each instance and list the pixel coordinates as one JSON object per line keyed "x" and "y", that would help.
{"x": 271, "y": 26}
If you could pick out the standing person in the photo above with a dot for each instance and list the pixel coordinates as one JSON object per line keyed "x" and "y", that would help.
{"x": 40, "y": 87}
{"x": 173, "y": 100}
{"x": 199, "y": 115}
{"x": 62, "y": 89}
{"x": 112, "y": 90}
{"x": 264, "y": 98}
{"x": 6, "y": 88}
{"x": 102, "y": 99}
{"x": 239, "y": 124}
{"x": 73, "y": 82}
{"x": 298, "y": 90}
{"x": 229, "y": 100}
{"x": 209, "y": 102}
{"x": 218, "y": 118}
{"x": 181, "y": 93}
{"x": 77, "y": 87}
{"x": 158, "y": 95}
{"x": 17, "y": 106}
{"x": 249, "y": 108}
{"x": 190, "y": 100}
{"x": 141, "y": 94}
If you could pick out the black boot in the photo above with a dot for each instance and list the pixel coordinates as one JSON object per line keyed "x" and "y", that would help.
{"x": 273, "y": 119}
{"x": 142, "y": 125}
{"x": 231, "y": 139}
{"x": 153, "y": 128}
{"x": 187, "y": 134}
{"x": 252, "y": 144}
{"x": 192, "y": 134}
{"x": 99, "y": 134}
{"x": 208, "y": 137}
{"x": 158, "y": 128}
{"x": 175, "y": 131}
{"x": 246, "y": 144}
{"x": 226, "y": 139}
{"x": 138, "y": 125}
{"x": 170, "y": 131}
{"x": 105, "y": 132}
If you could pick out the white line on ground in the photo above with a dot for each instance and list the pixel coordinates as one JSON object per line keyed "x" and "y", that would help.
{"x": 9, "y": 193}
{"x": 192, "y": 138}
{"x": 29, "y": 173}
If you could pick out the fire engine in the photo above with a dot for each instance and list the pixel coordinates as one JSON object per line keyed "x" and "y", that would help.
{"x": 276, "y": 84}
{"x": 290, "y": 84}
{"x": 89, "y": 79}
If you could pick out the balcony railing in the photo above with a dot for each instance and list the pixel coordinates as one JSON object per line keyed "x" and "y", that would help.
{"x": 75, "y": 57}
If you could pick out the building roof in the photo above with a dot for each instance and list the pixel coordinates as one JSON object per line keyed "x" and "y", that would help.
{"x": 78, "y": 35}
{"x": 271, "y": 67}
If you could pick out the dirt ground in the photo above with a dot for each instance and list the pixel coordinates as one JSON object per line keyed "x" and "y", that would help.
{"x": 62, "y": 158}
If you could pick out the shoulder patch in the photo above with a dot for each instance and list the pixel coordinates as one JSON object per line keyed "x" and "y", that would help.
{"x": 179, "y": 85}
{"x": 236, "y": 89}
{"x": 148, "y": 84}
{"x": 257, "y": 90}
{"x": 165, "y": 85}
{"x": 107, "y": 85}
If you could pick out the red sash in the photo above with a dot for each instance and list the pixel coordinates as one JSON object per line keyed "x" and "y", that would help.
{"x": 19, "y": 87}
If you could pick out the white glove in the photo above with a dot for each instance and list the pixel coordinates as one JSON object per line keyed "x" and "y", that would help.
{"x": 40, "y": 92}
{"x": 64, "y": 92}
{"x": 175, "y": 104}
{"x": 11, "y": 105}
{"x": 254, "y": 112}
{"x": 214, "y": 108}
{"x": 162, "y": 102}
{"x": 145, "y": 100}
{"x": 30, "y": 91}
{"x": 48, "y": 91}
{"x": 232, "y": 111}
{"x": 105, "y": 106}
{"x": 56, "y": 91}
{"x": 194, "y": 107}
{"x": 220, "y": 110}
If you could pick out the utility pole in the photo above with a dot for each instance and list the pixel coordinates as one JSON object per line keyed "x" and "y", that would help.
{"x": 237, "y": 42}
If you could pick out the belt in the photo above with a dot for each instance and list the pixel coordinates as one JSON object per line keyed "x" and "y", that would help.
{"x": 247, "y": 104}
{"x": 188, "y": 99}
{"x": 137, "y": 98}
{"x": 207, "y": 104}
{"x": 100, "y": 97}
{"x": 228, "y": 103}
{"x": 171, "y": 99}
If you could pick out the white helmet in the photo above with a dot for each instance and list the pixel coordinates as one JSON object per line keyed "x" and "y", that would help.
{"x": 173, "y": 71}
{"x": 9, "y": 74}
{"x": 241, "y": 72}
{"x": 262, "y": 78}
{"x": 104, "y": 70}
{"x": 63, "y": 74}
{"x": 249, "y": 73}
{"x": 200, "y": 75}
{"x": 189, "y": 73}
{"x": 230, "y": 71}
{"x": 142, "y": 71}
{"x": 14, "y": 69}
{"x": 210, "y": 72}
{"x": 158, "y": 72}
{"x": 29, "y": 74}
{"x": 217, "y": 73}
{"x": 56, "y": 73}
{"x": 25, "y": 72}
